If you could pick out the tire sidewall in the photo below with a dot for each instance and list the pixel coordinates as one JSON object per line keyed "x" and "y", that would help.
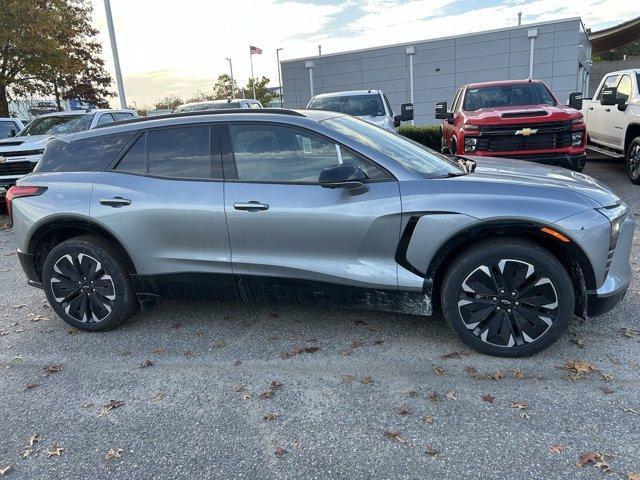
{"x": 531, "y": 253}
{"x": 635, "y": 142}
{"x": 124, "y": 301}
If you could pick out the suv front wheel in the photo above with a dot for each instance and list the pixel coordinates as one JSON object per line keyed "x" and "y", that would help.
{"x": 87, "y": 284}
{"x": 507, "y": 297}
{"x": 633, "y": 161}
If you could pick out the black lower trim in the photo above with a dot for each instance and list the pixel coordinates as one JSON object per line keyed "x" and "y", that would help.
{"x": 601, "y": 305}
{"x": 27, "y": 262}
{"x": 572, "y": 162}
{"x": 272, "y": 290}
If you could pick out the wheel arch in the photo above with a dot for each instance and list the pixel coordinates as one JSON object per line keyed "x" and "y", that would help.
{"x": 56, "y": 230}
{"x": 633, "y": 131}
{"x": 570, "y": 255}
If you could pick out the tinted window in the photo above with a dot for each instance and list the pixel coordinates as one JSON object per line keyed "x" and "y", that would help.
{"x": 357, "y": 105}
{"x": 610, "y": 81}
{"x": 269, "y": 153}
{"x": 372, "y": 171}
{"x": 624, "y": 88}
{"x": 85, "y": 155}
{"x": 181, "y": 152}
{"x": 104, "y": 119}
{"x": 134, "y": 160}
{"x": 6, "y": 127}
{"x": 410, "y": 154}
{"x": 123, "y": 116}
{"x": 58, "y": 125}
{"x": 507, "y": 96}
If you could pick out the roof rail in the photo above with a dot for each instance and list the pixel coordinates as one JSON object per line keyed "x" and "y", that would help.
{"x": 278, "y": 111}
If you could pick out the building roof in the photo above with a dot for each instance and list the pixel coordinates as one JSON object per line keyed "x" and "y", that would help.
{"x": 502, "y": 82}
{"x": 616, "y": 36}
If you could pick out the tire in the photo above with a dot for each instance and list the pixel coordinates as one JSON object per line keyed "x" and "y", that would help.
{"x": 111, "y": 299}
{"x": 633, "y": 161}
{"x": 509, "y": 322}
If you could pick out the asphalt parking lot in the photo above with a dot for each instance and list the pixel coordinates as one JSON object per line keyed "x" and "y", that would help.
{"x": 208, "y": 390}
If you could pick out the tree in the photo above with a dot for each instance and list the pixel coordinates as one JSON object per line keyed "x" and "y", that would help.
{"x": 168, "y": 103}
{"x": 48, "y": 46}
{"x": 223, "y": 89}
{"x": 631, "y": 50}
{"x": 200, "y": 97}
{"x": 263, "y": 94}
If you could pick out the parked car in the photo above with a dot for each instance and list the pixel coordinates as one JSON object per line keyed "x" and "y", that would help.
{"x": 316, "y": 207}
{"x": 372, "y": 106}
{"x": 20, "y": 154}
{"x": 613, "y": 119}
{"x": 218, "y": 105}
{"x": 519, "y": 119}
{"x": 9, "y": 127}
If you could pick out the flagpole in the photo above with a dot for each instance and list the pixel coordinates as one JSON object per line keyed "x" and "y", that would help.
{"x": 253, "y": 80}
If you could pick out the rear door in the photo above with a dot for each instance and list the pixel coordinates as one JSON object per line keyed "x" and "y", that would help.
{"x": 284, "y": 225}
{"x": 600, "y": 115}
{"x": 164, "y": 201}
{"x": 614, "y": 130}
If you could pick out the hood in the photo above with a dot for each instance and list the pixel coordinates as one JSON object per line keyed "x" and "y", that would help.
{"x": 521, "y": 172}
{"x": 520, "y": 114}
{"x": 28, "y": 142}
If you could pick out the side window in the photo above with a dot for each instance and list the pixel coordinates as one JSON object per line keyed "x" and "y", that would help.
{"x": 456, "y": 100}
{"x": 609, "y": 82}
{"x": 123, "y": 116}
{"x": 105, "y": 118}
{"x": 181, "y": 152}
{"x": 625, "y": 88}
{"x": 372, "y": 171}
{"x": 270, "y": 153}
{"x": 134, "y": 160}
{"x": 386, "y": 100}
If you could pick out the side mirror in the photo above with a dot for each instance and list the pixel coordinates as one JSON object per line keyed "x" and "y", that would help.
{"x": 442, "y": 112}
{"x": 406, "y": 114}
{"x": 346, "y": 176}
{"x": 609, "y": 96}
{"x": 11, "y": 133}
{"x": 575, "y": 100}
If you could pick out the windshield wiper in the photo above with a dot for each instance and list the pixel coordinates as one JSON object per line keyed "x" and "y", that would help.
{"x": 452, "y": 174}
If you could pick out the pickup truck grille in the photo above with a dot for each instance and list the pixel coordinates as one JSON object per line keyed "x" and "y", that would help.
{"x": 503, "y": 138}
{"x": 16, "y": 168}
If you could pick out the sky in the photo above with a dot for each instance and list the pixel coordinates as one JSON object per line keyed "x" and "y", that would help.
{"x": 170, "y": 47}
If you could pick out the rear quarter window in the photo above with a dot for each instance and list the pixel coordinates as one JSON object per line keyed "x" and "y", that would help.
{"x": 84, "y": 155}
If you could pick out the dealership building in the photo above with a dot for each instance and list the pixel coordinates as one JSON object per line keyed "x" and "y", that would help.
{"x": 423, "y": 72}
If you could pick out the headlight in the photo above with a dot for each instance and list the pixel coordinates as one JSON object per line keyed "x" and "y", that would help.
{"x": 470, "y": 144}
{"x": 576, "y": 138}
{"x": 616, "y": 216}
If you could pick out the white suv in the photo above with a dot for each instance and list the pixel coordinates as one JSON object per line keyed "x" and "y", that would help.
{"x": 372, "y": 106}
{"x": 20, "y": 154}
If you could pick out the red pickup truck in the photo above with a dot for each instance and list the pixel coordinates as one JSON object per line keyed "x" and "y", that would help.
{"x": 516, "y": 119}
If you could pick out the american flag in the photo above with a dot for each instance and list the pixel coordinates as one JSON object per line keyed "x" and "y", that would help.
{"x": 254, "y": 50}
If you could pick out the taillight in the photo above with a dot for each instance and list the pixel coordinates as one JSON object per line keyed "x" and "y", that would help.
{"x": 18, "y": 191}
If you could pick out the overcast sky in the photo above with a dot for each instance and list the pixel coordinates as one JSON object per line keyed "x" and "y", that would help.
{"x": 179, "y": 47}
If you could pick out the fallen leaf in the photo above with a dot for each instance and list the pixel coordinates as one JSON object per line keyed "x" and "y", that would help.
{"x": 31, "y": 386}
{"x": 455, "y": 355}
{"x": 367, "y": 380}
{"x": 221, "y": 344}
{"x": 5, "y": 470}
{"x": 157, "y": 397}
{"x": 519, "y": 405}
{"x": 50, "y": 369}
{"x": 280, "y": 451}
{"x": 26, "y": 453}
{"x": 427, "y": 419}
{"x": 579, "y": 342}
{"x": 378, "y": 342}
{"x": 246, "y": 396}
{"x": 579, "y": 366}
{"x": 404, "y": 410}
{"x": 113, "y": 454}
{"x": 438, "y": 371}
{"x": 356, "y": 344}
{"x": 176, "y": 326}
{"x": 488, "y": 398}
{"x": 73, "y": 331}
{"x": 472, "y": 372}
{"x": 630, "y": 410}
{"x": 557, "y": 448}
{"x": 275, "y": 385}
{"x": 394, "y": 436}
{"x": 633, "y": 476}
{"x": 518, "y": 374}
{"x": 159, "y": 350}
{"x": 433, "y": 396}
{"x": 432, "y": 452}
{"x": 270, "y": 417}
{"x": 55, "y": 451}
{"x": 607, "y": 377}
{"x": 146, "y": 363}
{"x": 110, "y": 406}
{"x": 33, "y": 439}
{"x": 199, "y": 333}
{"x": 239, "y": 387}
{"x": 524, "y": 415}
{"x": 348, "y": 378}
{"x": 267, "y": 394}
{"x": 497, "y": 375}
{"x": 629, "y": 332}
{"x": 189, "y": 353}
{"x": 596, "y": 459}
{"x": 451, "y": 394}
{"x": 606, "y": 390}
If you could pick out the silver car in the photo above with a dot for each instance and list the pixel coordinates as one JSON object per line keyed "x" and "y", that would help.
{"x": 316, "y": 207}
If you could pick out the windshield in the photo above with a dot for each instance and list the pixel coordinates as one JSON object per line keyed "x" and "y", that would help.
{"x": 57, "y": 125}
{"x": 207, "y": 106}
{"x": 356, "y": 105}
{"x": 408, "y": 153}
{"x": 507, "y": 96}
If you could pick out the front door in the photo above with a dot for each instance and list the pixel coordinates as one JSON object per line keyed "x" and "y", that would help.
{"x": 284, "y": 225}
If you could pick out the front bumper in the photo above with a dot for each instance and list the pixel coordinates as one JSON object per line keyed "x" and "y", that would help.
{"x": 566, "y": 160}
{"x": 28, "y": 264}
{"x": 617, "y": 281}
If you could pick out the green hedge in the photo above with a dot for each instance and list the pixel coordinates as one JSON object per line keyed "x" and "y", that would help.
{"x": 427, "y": 135}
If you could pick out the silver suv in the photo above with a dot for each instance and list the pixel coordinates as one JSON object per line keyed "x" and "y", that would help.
{"x": 319, "y": 208}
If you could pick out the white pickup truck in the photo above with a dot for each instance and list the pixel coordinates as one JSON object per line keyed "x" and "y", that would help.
{"x": 613, "y": 119}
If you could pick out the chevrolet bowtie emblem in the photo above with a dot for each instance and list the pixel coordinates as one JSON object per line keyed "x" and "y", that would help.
{"x": 3, "y": 159}
{"x": 525, "y": 132}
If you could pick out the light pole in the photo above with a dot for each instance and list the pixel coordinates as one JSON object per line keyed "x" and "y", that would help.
{"x": 233, "y": 88}
{"x": 114, "y": 50}
{"x": 280, "y": 76}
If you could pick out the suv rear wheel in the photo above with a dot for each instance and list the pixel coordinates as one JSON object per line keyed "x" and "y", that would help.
{"x": 87, "y": 284}
{"x": 633, "y": 161}
{"x": 507, "y": 297}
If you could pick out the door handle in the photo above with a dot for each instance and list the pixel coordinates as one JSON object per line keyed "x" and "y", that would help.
{"x": 115, "y": 202}
{"x": 251, "y": 206}
{"x": 590, "y": 108}
{"x": 607, "y": 109}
